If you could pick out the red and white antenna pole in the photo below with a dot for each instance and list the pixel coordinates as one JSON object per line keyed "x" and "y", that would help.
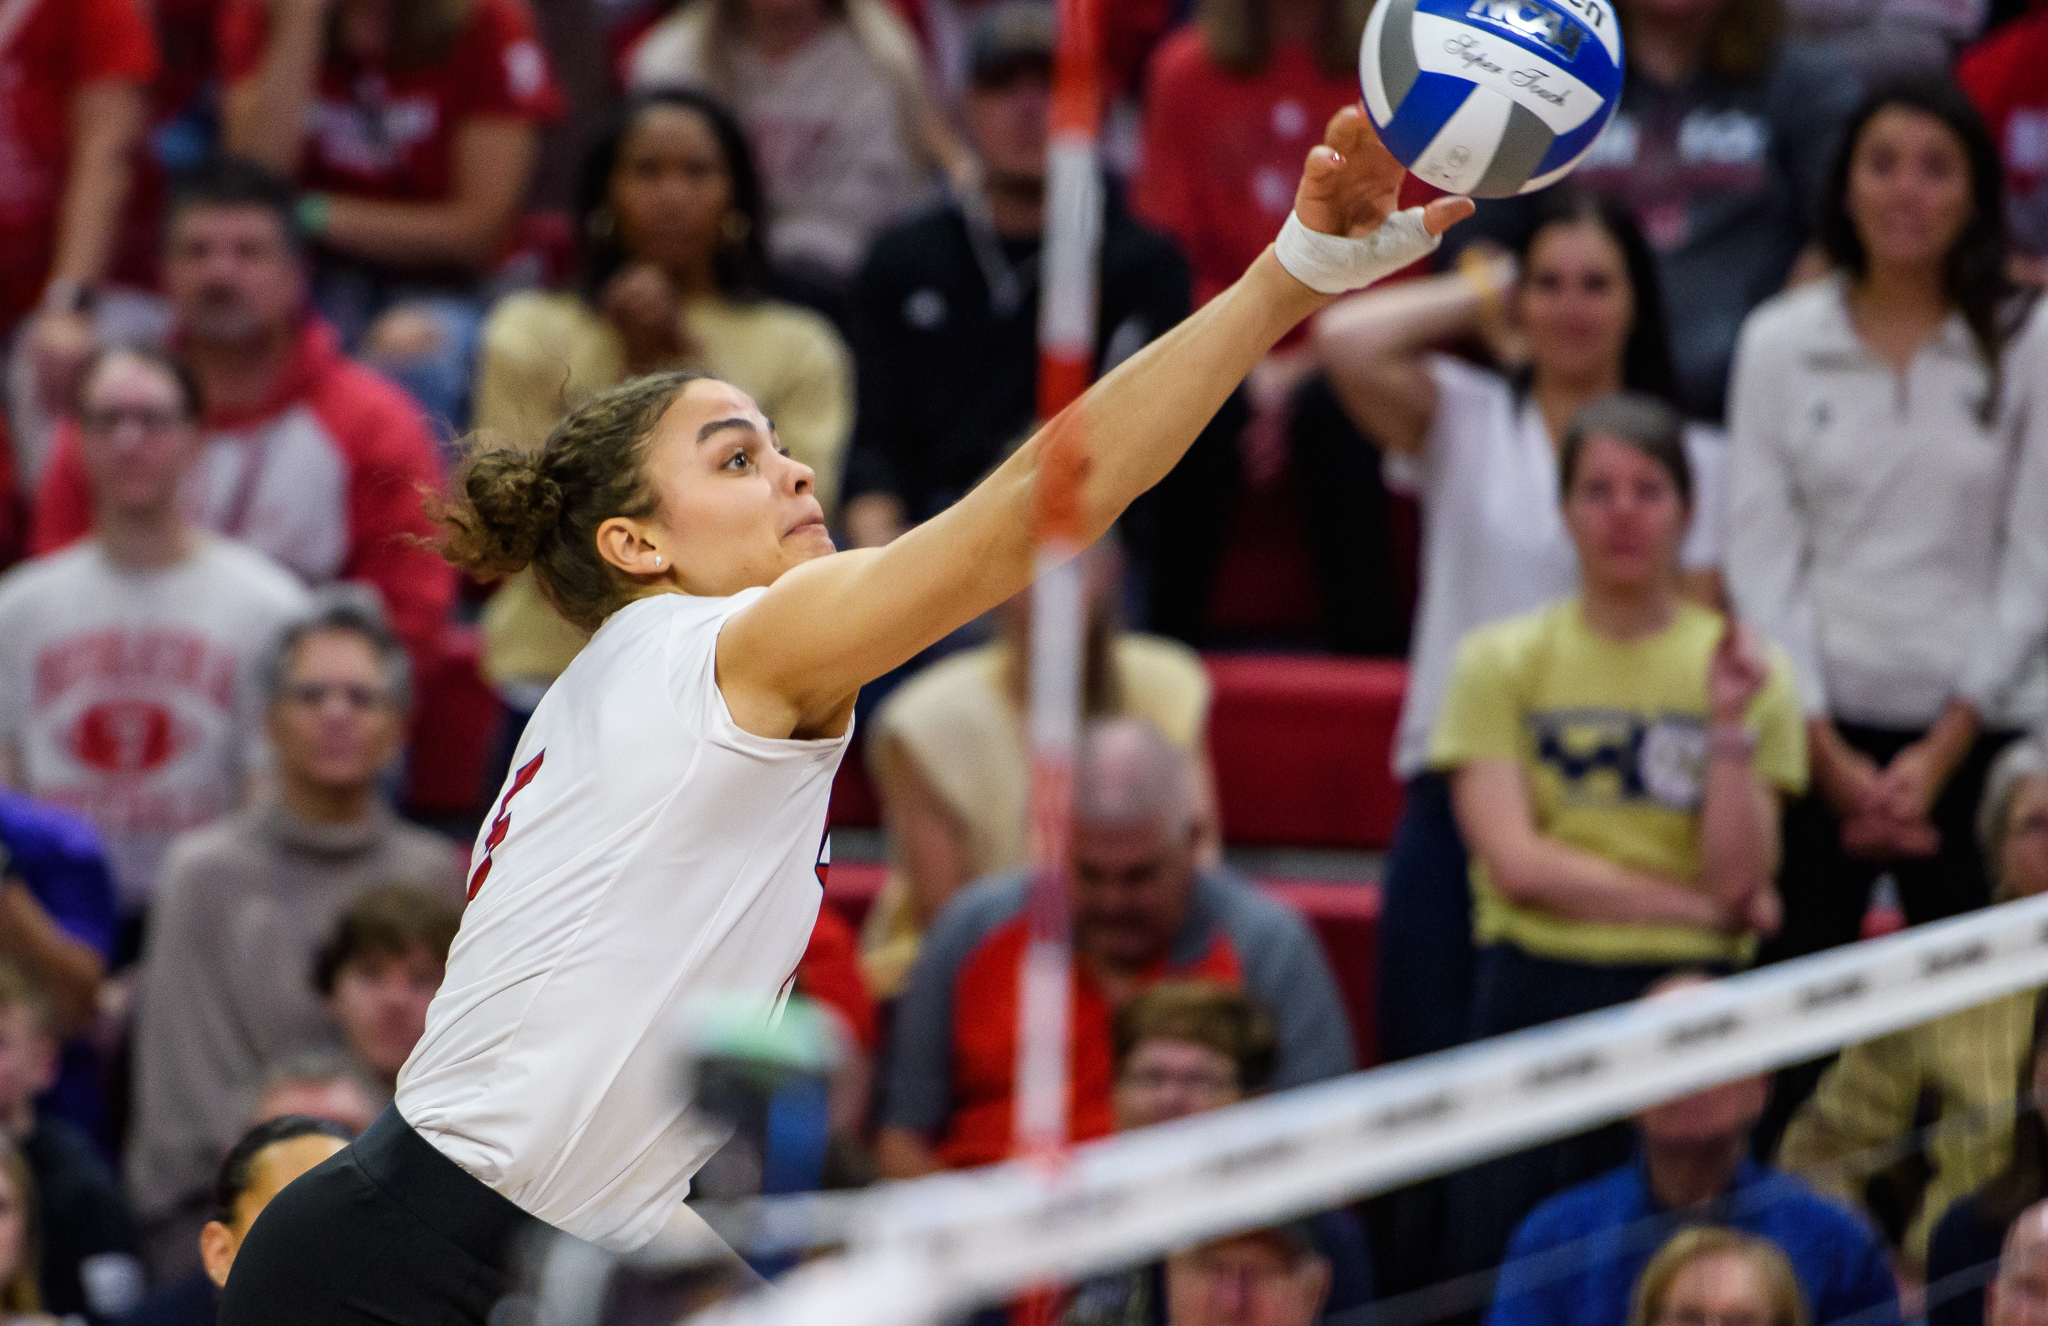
{"x": 1066, "y": 362}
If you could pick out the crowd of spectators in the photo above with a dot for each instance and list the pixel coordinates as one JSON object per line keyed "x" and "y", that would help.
{"x": 1773, "y": 354}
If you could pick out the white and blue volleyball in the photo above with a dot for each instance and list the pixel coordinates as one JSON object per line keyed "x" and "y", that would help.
{"x": 1491, "y": 97}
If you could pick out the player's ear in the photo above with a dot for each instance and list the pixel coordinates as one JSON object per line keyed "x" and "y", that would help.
{"x": 626, "y": 544}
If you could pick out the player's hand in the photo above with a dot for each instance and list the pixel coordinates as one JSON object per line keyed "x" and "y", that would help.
{"x": 1351, "y": 183}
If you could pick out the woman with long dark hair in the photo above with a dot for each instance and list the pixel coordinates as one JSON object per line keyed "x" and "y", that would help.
{"x": 832, "y": 93}
{"x": 1889, "y": 471}
{"x": 1478, "y": 447}
{"x": 674, "y": 275}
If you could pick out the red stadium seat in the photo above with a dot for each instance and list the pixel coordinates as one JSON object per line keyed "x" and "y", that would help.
{"x": 1301, "y": 748}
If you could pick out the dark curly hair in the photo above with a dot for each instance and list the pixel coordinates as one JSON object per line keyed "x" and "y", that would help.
{"x": 1975, "y": 270}
{"x": 514, "y": 508}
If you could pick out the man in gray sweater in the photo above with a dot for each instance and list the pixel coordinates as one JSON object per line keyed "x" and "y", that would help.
{"x": 226, "y": 990}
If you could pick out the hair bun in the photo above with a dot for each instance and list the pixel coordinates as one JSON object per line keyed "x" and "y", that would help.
{"x": 508, "y": 507}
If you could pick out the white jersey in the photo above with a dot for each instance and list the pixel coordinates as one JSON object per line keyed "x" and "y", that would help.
{"x": 130, "y": 696}
{"x": 645, "y": 850}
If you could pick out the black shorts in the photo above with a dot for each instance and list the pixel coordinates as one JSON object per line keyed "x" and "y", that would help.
{"x": 388, "y": 1231}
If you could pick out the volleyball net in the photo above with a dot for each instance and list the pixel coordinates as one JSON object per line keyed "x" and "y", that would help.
{"x": 934, "y": 1249}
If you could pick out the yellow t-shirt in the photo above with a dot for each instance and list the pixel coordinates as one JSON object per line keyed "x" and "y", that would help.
{"x": 1613, "y": 740}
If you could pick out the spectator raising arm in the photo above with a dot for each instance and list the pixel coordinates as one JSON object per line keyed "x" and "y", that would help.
{"x": 263, "y": 117}
{"x": 1372, "y": 347}
{"x": 105, "y": 126}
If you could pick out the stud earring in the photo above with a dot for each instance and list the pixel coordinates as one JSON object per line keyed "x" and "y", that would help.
{"x": 657, "y": 563}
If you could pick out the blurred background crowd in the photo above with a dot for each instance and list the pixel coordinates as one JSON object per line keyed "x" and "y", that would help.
{"x": 1415, "y": 715}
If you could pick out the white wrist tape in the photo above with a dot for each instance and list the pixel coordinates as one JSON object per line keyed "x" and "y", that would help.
{"x": 1333, "y": 264}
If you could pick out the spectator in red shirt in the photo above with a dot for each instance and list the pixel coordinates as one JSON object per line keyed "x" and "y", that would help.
{"x": 1233, "y": 101}
{"x": 308, "y": 456}
{"x": 2006, "y": 75}
{"x": 73, "y": 80}
{"x": 412, "y": 126}
{"x": 1143, "y": 911}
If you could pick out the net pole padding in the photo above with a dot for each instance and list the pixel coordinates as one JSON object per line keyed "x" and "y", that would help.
{"x": 975, "y": 1236}
{"x": 1066, "y": 337}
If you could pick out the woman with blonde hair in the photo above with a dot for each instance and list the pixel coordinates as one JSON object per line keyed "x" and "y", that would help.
{"x": 1711, "y": 1276}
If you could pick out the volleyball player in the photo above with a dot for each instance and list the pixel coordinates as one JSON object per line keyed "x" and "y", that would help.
{"x": 657, "y": 836}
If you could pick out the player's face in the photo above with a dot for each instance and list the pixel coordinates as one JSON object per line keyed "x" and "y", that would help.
{"x": 137, "y": 438}
{"x": 1625, "y": 517}
{"x": 736, "y": 510}
{"x": 1909, "y": 188}
{"x": 671, "y": 189}
{"x": 1576, "y": 304}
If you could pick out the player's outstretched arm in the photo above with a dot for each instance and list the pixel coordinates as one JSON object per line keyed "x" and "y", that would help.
{"x": 828, "y": 627}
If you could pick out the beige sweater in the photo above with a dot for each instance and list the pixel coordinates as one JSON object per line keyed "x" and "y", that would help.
{"x": 227, "y": 987}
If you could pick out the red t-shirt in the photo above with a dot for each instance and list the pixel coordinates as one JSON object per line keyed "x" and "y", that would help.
{"x": 58, "y": 47}
{"x": 1223, "y": 153}
{"x": 381, "y": 132}
{"x": 2006, "y": 75}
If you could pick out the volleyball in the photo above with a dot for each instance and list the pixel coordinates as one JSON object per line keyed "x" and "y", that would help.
{"x": 1490, "y": 97}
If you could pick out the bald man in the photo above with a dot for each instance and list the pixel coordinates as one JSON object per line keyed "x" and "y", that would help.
{"x": 1143, "y": 909}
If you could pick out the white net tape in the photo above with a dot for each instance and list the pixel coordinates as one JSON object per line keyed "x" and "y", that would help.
{"x": 923, "y": 1250}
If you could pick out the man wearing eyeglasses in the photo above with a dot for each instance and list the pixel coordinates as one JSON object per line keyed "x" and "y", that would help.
{"x": 127, "y": 660}
{"x": 244, "y": 905}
